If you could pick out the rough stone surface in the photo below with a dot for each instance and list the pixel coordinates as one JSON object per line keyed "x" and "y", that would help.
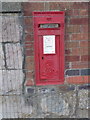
{"x": 11, "y": 28}
{"x": 11, "y": 55}
{"x": 2, "y": 63}
{"x": 1, "y": 108}
{"x": 0, "y": 28}
{"x": 12, "y": 81}
{"x": 14, "y": 107}
{"x": 47, "y": 104}
{"x": 14, "y": 57}
{"x": 54, "y": 104}
{"x": 1, "y": 82}
{"x": 11, "y": 6}
{"x": 84, "y": 102}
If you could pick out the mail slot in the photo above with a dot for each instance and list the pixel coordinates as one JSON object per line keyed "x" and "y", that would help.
{"x": 49, "y": 47}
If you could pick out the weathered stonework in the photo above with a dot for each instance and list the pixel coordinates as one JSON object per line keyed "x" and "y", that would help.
{"x": 84, "y": 102}
{"x": 12, "y": 81}
{"x": 2, "y": 63}
{"x": 58, "y": 102}
{"x": 11, "y": 29}
{"x": 13, "y": 53}
{"x": 11, "y": 6}
{"x": 1, "y": 82}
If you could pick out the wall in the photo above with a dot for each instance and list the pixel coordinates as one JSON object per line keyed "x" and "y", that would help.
{"x": 61, "y": 101}
{"x": 77, "y": 58}
{"x": 11, "y": 54}
{"x": 70, "y": 99}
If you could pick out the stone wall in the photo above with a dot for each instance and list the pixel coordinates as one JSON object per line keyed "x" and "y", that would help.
{"x": 11, "y": 54}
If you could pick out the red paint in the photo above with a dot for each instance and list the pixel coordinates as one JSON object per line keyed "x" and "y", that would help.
{"x": 49, "y": 68}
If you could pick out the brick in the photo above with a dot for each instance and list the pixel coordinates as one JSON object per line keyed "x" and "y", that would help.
{"x": 85, "y": 72}
{"x": 29, "y": 83}
{"x": 55, "y": 5}
{"x": 29, "y": 66}
{"x": 80, "y": 51}
{"x": 69, "y": 12}
{"x": 29, "y": 30}
{"x": 78, "y": 65}
{"x": 29, "y": 75}
{"x": 66, "y": 5}
{"x": 72, "y": 58}
{"x": 28, "y": 8}
{"x": 29, "y": 43}
{"x": 80, "y": 5}
{"x": 78, "y": 79}
{"x": 67, "y": 37}
{"x": 29, "y": 59}
{"x": 83, "y": 12}
{"x": 85, "y": 58}
{"x": 67, "y": 66}
{"x": 73, "y": 28}
{"x": 71, "y": 44}
{"x": 29, "y": 52}
{"x": 28, "y": 21}
{"x": 26, "y": 5}
{"x": 75, "y": 12}
{"x": 28, "y": 38}
{"x": 29, "y": 46}
{"x": 81, "y": 36}
{"x": 84, "y": 51}
{"x": 84, "y": 43}
{"x": 79, "y": 21}
{"x": 84, "y": 28}
{"x": 60, "y": 5}
{"x": 76, "y": 51}
{"x": 67, "y": 52}
{"x": 72, "y": 72}
{"x": 88, "y": 64}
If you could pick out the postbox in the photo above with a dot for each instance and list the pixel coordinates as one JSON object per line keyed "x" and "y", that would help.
{"x": 49, "y": 47}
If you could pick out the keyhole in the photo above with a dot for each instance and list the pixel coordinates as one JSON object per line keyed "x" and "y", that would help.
{"x": 42, "y": 58}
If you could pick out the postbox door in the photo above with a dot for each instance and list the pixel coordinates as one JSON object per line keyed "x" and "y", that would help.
{"x": 49, "y": 57}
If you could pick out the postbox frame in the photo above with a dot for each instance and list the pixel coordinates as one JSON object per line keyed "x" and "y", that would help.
{"x": 48, "y": 17}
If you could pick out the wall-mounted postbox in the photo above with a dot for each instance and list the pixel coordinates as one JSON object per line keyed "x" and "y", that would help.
{"x": 49, "y": 47}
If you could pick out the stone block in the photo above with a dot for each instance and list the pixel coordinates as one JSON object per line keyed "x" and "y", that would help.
{"x": 11, "y": 6}
{"x": 0, "y": 82}
{"x": 11, "y": 28}
{"x": 14, "y": 107}
{"x": 14, "y": 56}
{"x": 2, "y": 62}
{"x": 83, "y": 96}
{"x": 56, "y": 101}
{"x": 0, "y": 28}
{"x": 55, "y": 104}
{"x": 1, "y": 108}
{"x": 12, "y": 81}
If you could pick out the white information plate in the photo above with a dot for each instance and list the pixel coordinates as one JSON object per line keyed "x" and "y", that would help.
{"x": 49, "y": 44}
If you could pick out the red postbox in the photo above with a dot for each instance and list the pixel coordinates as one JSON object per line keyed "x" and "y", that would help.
{"x": 49, "y": 47}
